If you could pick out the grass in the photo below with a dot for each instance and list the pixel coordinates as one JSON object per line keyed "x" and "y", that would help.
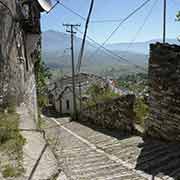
{"x": 99, "y": 94}
{"x": 10, "y": 171}
{"x": 142, "y": 110}
{"x": 11, "y": 143}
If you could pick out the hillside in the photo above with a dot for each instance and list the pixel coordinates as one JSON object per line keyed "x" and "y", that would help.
{"x": 138, "y": 47}
{"x": 57, "y": 55}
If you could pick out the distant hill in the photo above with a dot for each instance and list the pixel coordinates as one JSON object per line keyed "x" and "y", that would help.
{"x": 138, "y": 47}
{"x": 55, "y": 56}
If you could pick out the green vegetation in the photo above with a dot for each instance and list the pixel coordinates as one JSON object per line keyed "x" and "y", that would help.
{"x": 11, "y": 143}
{"x": 9, "y": 124}
{"x": 9, "y": 104}
{"x": 42, "y": 73}
{"x": 117, "y": 70}
{"x": 10, "y": 171}
{"x": 137, "y": 83}
{"x": 141, "y": 109}
{"x": 98, "y": 94}
{"x": 178, "y": 16}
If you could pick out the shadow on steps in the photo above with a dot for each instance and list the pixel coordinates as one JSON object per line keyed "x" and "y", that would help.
{"x": 159, "y": 159}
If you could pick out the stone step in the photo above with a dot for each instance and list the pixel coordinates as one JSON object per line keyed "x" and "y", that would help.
{"x": 90, "y": 160}
{"x": 168, "y": 162}
{"x": 119, "y": 146}
{"x": 74, "y": 157}
{"x": 144, "y": 160}
{"x": 169, "y": 168}
{"x": 99, "y": 139}
{"x": 74, "y": 152}
{"x": 122, "y": 152}
{"x": 175, "y": 173}
{"x": 153, "y": 148}
{"x": 160, "y": 159}
{"x": 120, "y": 176}
{"x": 89, "y": 165}
{"x": 108, "y": 142}
{"x": 104, "y": 172}
{"x": 97, "y": 168}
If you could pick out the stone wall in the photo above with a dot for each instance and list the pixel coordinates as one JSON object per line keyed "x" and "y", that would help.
{"x": 164, "y": 85}
{"x": 19, "y": 47}
{"x": 113, "y": 114}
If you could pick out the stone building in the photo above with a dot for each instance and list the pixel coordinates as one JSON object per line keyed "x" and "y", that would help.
{"x": 116, "y": 113}
{"x": 19, "y": 50}
{"x": 164, "y": 88}
{"x": 61, "y": 93}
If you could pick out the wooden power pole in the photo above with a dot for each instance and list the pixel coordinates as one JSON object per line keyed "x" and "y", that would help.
{"x": 71, "y": 31}
{"x": 164, "y": 20}
{"x": 82, "y": 48}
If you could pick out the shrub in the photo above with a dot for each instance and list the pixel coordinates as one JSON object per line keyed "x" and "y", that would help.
{"x": 99, "y": 94}
{"x": 141, "y": 109}
{"x": 11, "y": 142}
{"x": 10, "y": 171}
{"x": 10, "y": 104}
{"x": 9, "y": 124}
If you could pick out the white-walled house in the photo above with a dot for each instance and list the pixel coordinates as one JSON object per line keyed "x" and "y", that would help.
{"x": 64, "y": 103}
{"x": 61, "y": 93}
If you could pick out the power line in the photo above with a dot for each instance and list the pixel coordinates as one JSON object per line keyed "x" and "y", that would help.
{"x": 7, "y": 8}
{"x": 111, "y": 53}
{"x": 118, "y": 57}
{"x": 92, "y": 21}
{"x": 143, "y": 24}
{"x": 123, "y": 21}
{"x": 175, "y": 2}
{"x": 72, "y": 11}
{"x": 106, "y": 21}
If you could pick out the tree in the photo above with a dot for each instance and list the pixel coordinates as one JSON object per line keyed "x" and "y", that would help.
{"x": 178, "y": 16}
{"x": 42, "y": 74}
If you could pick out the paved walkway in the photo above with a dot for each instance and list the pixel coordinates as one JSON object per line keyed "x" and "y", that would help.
{"x": 35, "y": 143}
{"x": 89, "y": 153}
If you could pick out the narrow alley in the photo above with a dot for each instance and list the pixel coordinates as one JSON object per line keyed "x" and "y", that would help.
{"x": 92, "y": 153}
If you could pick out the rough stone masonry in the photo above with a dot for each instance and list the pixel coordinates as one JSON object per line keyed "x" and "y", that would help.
{"x": 164, "y": 83}
{"x": 19, "y": 49}
{"x": 116, "y": 113}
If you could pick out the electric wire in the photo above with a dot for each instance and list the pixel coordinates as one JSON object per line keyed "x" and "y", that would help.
{"x": 143, "y": 24}
{"x": 72, "y": 11}
{"x": 111, "y": 53}
{"x": 125, "y": 19}
{"x": 101, "y": 46}
{"x": 92, "y": 21}
{"x": 119, "y": 25}
{"x": 175, "y": 2}
{"x": 106, "y": 21}
{"x": 7, "y": 8}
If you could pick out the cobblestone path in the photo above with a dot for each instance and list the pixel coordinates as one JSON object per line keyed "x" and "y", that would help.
{"x": 89, "y": 153}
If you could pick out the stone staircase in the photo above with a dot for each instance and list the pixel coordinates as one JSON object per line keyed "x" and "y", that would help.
{"x": 92, "y": 153}
{"x": 154, "y": 158}
{"x": 80, "y": 162}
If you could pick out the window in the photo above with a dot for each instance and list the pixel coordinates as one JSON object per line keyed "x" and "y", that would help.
{"x": 67, "y": 105}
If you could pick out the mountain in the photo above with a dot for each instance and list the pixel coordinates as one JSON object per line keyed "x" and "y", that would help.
{"x": 56, "y": 53}
{"x": 138, "y": 47}
{"x": 53, "y": 41}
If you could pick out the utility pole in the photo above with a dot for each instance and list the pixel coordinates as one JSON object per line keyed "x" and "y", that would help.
{"x": 71, "y": 31}
{"x": 84, "y": 36}
{"x": 164, "y": 20}
{"x": 82, "y": 48}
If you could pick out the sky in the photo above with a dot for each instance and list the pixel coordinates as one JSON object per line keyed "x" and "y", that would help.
{"x": 116, "y": 10}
